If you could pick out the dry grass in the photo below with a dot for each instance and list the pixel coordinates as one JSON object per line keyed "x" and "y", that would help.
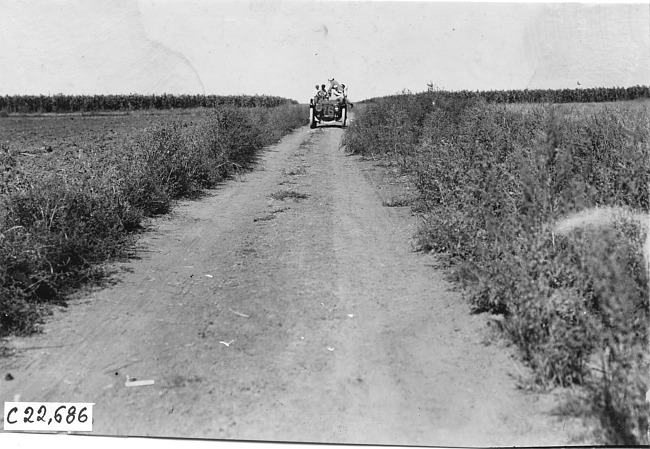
{"x": 284, "y": 194}
{"x": 65, "y": 212}
{"x": 542, "y": 210}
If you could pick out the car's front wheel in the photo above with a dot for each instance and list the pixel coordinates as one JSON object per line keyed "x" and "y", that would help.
{"x": 312, "y": 119}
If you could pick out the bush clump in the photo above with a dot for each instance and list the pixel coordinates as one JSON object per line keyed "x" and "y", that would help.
{"x": 60, "y": 219}
{"x": 543, "y": 212}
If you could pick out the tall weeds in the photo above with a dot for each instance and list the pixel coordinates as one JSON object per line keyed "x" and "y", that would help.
{"x": 62, "y": 216}
{"x": 494, "y": 184}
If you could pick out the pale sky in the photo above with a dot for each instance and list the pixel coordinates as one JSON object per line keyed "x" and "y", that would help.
{"x": 286, "y": 47}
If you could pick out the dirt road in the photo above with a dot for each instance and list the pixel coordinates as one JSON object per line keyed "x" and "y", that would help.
{"x": 303, "y": 319}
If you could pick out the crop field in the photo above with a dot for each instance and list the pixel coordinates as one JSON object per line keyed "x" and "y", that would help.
{"x": 65, "y": 132}
{"x": 74, "y": 189}
{"x": 27, "y": 104}
{"x": 541, "y": 212}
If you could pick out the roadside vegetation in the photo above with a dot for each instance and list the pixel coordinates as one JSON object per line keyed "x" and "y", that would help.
{"x": 542, "y": 212}
{"x": 64, "y": 213}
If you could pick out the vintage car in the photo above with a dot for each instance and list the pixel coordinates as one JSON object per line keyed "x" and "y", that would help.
{"x": 327, "y": 110}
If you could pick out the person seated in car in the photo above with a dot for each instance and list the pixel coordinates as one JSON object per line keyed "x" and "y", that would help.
{"x": 334, "y": 86}
{"x": 337, "y": 90}
{"x": 345, "y": 96}
{"x": 321, "y": 93}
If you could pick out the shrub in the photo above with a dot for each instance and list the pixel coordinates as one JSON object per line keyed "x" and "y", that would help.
{"x": 493, "y": 182}
{"x": 60, "y": 220}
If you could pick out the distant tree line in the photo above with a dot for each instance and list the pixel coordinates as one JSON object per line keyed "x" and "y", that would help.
{"x": 589, "y": 95}
{"x": 101, "y": 103}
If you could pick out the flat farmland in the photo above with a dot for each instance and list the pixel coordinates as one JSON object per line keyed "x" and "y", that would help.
{"x": 63, "y": 133}
{"x": 74, "y": 145}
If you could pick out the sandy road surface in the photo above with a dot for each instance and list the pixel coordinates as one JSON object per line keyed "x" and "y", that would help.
{"x": 297, "y": 320}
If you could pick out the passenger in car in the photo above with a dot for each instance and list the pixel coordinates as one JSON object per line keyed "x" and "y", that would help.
{"x": 321, "y": 93}
{"x": 334, "y": 86}
{"x": 337, "y": 90}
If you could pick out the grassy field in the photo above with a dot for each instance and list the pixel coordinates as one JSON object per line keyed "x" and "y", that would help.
{"x": 541, "y": 211}
{"x": 74, "y": 189}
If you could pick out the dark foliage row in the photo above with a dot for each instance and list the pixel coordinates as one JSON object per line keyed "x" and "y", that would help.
{"x": 590, "y": 95}
{"x": 26, "y": 104}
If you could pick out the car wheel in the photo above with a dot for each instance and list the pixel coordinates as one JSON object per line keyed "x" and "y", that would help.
{"x": 312, "y": 119}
